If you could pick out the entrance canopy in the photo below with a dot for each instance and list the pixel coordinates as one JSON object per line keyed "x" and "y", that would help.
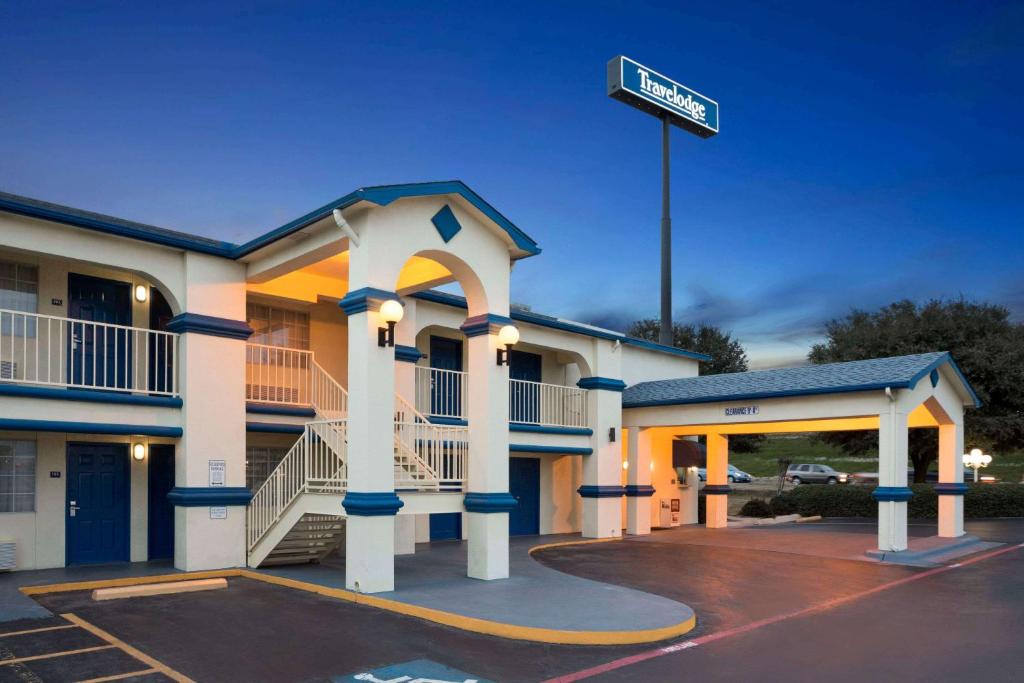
{"x": 890, "y": 395}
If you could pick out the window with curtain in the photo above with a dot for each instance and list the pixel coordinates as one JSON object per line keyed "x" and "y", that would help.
{"x": 17, "y": 476}
{"x": 278, "y": 326}
{"x": 19, "y": 291}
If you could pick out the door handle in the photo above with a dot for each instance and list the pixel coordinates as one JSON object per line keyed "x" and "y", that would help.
{"x": 72, "y": 509}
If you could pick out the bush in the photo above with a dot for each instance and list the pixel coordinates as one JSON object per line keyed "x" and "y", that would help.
{"x": 982, "y": 500}
{"x": 756, "y": 507}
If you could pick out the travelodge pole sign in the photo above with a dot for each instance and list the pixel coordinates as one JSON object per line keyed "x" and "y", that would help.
{"x": 675, "y": 104}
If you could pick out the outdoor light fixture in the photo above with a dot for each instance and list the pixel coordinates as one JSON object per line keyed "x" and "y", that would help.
{"x": 976, "y": 460}
{"x": 625, "y": 464}
{"x": 139, "y": 451}
{"x": 390, "y": 312}
{"x": 507, "y": 337}
{"x": 141, "y": 293}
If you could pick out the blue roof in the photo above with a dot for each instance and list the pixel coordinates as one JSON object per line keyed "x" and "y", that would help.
{"x": 898, "y": 372}
{"x": 381, "y": 195}
{"x": 564, "y": 325}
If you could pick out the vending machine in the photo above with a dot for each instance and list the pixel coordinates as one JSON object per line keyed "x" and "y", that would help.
{"x": 669, "y": 516}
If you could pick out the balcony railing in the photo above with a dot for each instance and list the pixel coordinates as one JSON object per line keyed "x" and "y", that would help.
{"x": 549, "y": 405}
{"x": 276, "y": 374}
{"x": 49, "y": 350}
{"x": 440, "y": 393}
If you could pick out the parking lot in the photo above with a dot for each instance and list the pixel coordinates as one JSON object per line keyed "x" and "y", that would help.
{"x": 762, "y": 615}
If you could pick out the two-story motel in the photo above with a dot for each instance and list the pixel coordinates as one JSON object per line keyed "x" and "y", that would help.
{"x": 164, "y": 395}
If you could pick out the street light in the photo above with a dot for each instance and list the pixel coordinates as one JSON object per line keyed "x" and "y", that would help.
{"x": 976, "y": 460}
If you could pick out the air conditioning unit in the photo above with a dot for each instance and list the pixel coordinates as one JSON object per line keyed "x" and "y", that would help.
{"x": 8, "y": 369}
{"x": 8, "y": 559}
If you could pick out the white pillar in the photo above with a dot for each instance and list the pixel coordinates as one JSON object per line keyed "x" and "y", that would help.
{"x": 487, "y": 499}
{"x": 951, "y": 487}
{"x": 892, "y": 493}
{"x": 211, "y": 375}
{"x": 716, "y": 489}
{"x": 638, "y": 481}
{"x": 602, "y": 488}
{"x": 370, "y": 502}
{"x": 406, "y": 356}
{"x": 405, "y": 534}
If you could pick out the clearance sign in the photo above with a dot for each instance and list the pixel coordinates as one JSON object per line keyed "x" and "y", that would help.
{"x": 659, "y": 95}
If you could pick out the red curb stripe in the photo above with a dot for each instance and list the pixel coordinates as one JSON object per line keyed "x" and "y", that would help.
{"x": 719, "y": 635}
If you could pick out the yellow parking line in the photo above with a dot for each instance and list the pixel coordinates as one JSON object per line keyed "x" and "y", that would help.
{"x": 134, "y": 652}
{"x": 37, "y": 630}
{"x": 119, "y": 677}
{"x": 50, "y": 655}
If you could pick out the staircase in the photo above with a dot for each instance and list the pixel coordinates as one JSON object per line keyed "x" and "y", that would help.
{"x": 295, "y": 516}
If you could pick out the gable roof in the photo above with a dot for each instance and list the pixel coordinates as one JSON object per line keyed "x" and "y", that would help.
{"x": 898, "y": 372}
{"x": 382, "y": 195}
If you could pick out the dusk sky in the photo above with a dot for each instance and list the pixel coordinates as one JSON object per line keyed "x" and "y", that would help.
{"x": 865, "y": 155}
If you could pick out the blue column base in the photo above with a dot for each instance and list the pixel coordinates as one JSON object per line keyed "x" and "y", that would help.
{"x": 892, "y": 494}
{"x": 717, "y": 490}
{"x": 951, "y": 488}
{"x": 371, "y": 504}
{"x": 489, "y": 502}
{"x": 639, "y": 490}
{"x": 208, "y": 496}
{"x": 589, "y": 491}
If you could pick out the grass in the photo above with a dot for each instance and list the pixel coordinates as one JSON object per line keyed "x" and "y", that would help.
{"x": 1008, "y": 467}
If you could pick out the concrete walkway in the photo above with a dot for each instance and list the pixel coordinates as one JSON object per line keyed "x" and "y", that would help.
{"x": 534, "y": 596}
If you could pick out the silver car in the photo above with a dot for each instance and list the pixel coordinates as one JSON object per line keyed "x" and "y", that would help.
{"x": 815, "y": 474}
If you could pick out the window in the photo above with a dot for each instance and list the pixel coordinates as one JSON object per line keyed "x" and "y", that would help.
{"x": 19, "y": 291}
{"x": 260, "y": 461}
{"x": 17, "y": 476}
{"x": 278, "y": 326}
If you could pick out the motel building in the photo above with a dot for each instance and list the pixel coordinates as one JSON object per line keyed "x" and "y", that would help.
{"x": 168, "y": 396}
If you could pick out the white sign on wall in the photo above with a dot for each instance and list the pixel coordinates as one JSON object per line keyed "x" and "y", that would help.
{"x": 742, "y": 410}
{"x": 218, "y": 472}
{"x": 218, "y": 513}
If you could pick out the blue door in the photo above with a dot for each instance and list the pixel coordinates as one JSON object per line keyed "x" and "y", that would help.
{"x": 96, "y": 526}
{"x": 445, "y": 394}
{"x": 524, "y": 485}
{"x": 524, "y": 399}
{"x": 161, "y": 512}
{"x": 445, "y": 526}
{"x": 99, "y": 356}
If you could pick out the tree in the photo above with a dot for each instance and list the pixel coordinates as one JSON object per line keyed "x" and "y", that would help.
{"x": 727, "y": 355}
{"x": 987, "y": 346}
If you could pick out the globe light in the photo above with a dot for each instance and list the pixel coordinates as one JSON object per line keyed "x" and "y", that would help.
{"x": 508, "y": 335}
{"x": 391, "y": 311}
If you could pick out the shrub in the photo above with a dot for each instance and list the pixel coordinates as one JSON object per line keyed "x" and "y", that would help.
{"x": 982, "y": 500}
{"x": 756, "y": 507}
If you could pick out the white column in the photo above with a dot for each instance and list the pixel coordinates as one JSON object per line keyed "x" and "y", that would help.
{"x": 717, "y": 488}
{"x": 892, "y": 493}
{"x": 370, "y": 502}
{"x": 602, "y": 488}
{"x": 406, "y": 355}
{"x": 638, "y": 481}
{"x": 951, "y": 487}
{"x": 487, "y": 499}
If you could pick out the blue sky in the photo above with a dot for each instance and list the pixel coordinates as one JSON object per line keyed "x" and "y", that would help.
{"x": 865, "y": 154}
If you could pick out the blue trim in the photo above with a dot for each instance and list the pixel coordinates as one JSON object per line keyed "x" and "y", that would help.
{"x": 483, "y": 324}
{"x": 89, "y": 428}
{"x": 273, "y": 428}
{"x": 91, "y": 396}
{"x": 951, "y": 488}
{"x": 717, "y": 489}
{"x": 761, "y": 394}
{"x": 892, "y": 494}
{"x": 208, "y": 496}
{"x": 541, "y": 320}
{"x": 375, "y": 504}
{"x": 546, "y": 429}
{"x": 210, "y": 325}
{"x": 110, "y": 225}
{"x": 562, "y": 450}
{"x": 383, "y": 195}
{"x": 360, "y": 300}
{"x": 447, "y": 421}
{"x": 270, "y": 409}
{"x": 446, "y": 223}
{"x": 601, "y": 384}
{"x": 489, "y": 502}
{"x": 639, "y": 490}
{"x": 935, "y": 365}
{"x": 407, "y": 354}
{"x": 590, "y": 491}
{"x": 934, "y": 377}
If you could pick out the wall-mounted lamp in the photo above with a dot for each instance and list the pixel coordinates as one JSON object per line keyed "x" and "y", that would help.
{"x": 611, "y": 434}
{"x": 139, "y": 451}
{"x": 390, "y": 312}
{"x": 141, "y": 293}
{"x": 508, "y": 336}
{"x": 625, "y": 464}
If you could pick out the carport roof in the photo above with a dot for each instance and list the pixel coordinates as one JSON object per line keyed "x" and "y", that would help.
{"x": 897, "y": 372}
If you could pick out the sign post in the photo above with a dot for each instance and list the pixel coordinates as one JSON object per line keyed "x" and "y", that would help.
{"x": 674, "y": 104}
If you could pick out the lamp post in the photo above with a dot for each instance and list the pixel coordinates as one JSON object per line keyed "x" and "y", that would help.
{"x": 976, "y": 460}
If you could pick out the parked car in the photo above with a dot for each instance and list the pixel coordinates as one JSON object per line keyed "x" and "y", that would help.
{"x": 815, "y": 474}
{"x": 932, "y": 476}
{"x": 735, "y": 475}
